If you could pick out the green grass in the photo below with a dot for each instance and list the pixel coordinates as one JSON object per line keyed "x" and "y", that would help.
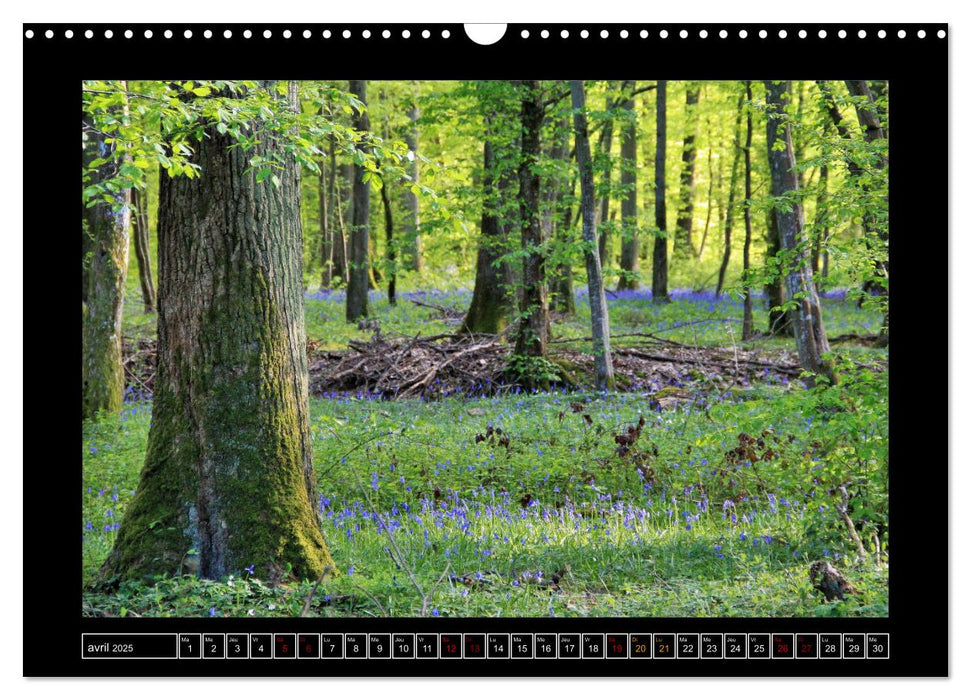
{"x": 693, "y": 521}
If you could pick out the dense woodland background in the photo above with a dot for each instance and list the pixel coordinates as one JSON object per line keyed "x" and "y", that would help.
{"x": 619, "y": 294}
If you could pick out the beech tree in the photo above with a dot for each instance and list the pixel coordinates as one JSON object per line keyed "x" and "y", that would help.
{"x": 811, "y": 342}
{"x": 600, "y": 322}
{"x": 227, "y": 475}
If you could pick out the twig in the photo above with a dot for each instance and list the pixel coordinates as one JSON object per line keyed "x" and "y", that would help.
{"x": 313, "y": 591}
{"x": 841, "y": 508}
{"x": 426, "y": 600}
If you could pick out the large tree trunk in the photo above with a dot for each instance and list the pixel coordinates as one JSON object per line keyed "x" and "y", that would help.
{"x": 143, "y": 249}
{"x": 228, "y": 472}
{"x": 359, "y": 265}
{"x": 730, "y": 209}
{"x": 490, "y": 309}
{"x": 534, "y": 324}
{"x": 748, "y": 328}
{"x": 413, "y": 242}
{"x": 600, "y": 322}
{"x": 659, "y": 273}
{"x": 686, "y": 206}
{"x": 102, "y": 372}
{"x": 630, "y": 247}
{"x": 811, "y": 342}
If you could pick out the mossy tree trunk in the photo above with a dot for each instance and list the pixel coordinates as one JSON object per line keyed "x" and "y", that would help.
{"x": 228, "y": 471}
{"x": 659, "y": 272}
{"x": 534, "y": 307}
{"x": 811, "y": 342}
{"x": 630, "y": 247}
{"x": 358, "y": 274}
{"x": 107, "y": 230}
{"x": 600, "y": 321}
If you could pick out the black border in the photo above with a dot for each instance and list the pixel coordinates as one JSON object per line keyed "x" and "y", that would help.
{"x": 918, "y": 73}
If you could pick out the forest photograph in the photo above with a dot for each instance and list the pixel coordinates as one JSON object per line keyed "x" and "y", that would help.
{"x": 521, "y": 348}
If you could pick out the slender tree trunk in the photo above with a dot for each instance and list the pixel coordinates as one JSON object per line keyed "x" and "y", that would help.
{"x": 730, "y": 209}
{"x": 659, "y": 276}
{"x": 748, "y": 328}
{"x": 343, "y": 209}
{"x": 821, "y": 238}
{"x": 869, "y": 118}
{"x": 603, "y": 153}
{"x": 390, "y": 246}
{"x": 811, "y": 342}
{"x": 682, "y": 236}
{"x": 490, "y": 309}
{"x": 560, "y": 191}
{"x": 413, "y": 219}
{"x": 359, "y": 266}
{"x": 107, "y": 223}
{"x": 534, "y": 320}
{"x": 228, "y": 473}
{"x": 143, "y": 251}
{"x": 600, "y": 321}
{"x": 780, "y": 321}
{"x": 711, "y": 190}
{"x": 630, "y": 254}
{"x": 326, "y": 236}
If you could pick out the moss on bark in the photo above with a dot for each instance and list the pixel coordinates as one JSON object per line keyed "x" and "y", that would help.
{"x": 228, "y": 471}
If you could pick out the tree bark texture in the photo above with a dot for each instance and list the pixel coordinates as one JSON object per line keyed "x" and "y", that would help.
{"x": 107, "y": 230}
{"x": 811, "y": 342}
{"x": 534, "y": 310}
{"x": 659, "y": 273}
{"x": 600, "y": 321}
{"x": 358, "y": 281}
{"x": 228, "y": 471}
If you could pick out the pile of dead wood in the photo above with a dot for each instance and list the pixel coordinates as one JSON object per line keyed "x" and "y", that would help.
{"x": 429, "y": 367}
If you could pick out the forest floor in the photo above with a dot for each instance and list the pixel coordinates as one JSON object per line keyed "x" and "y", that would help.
{"x": 705, "y": 488}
